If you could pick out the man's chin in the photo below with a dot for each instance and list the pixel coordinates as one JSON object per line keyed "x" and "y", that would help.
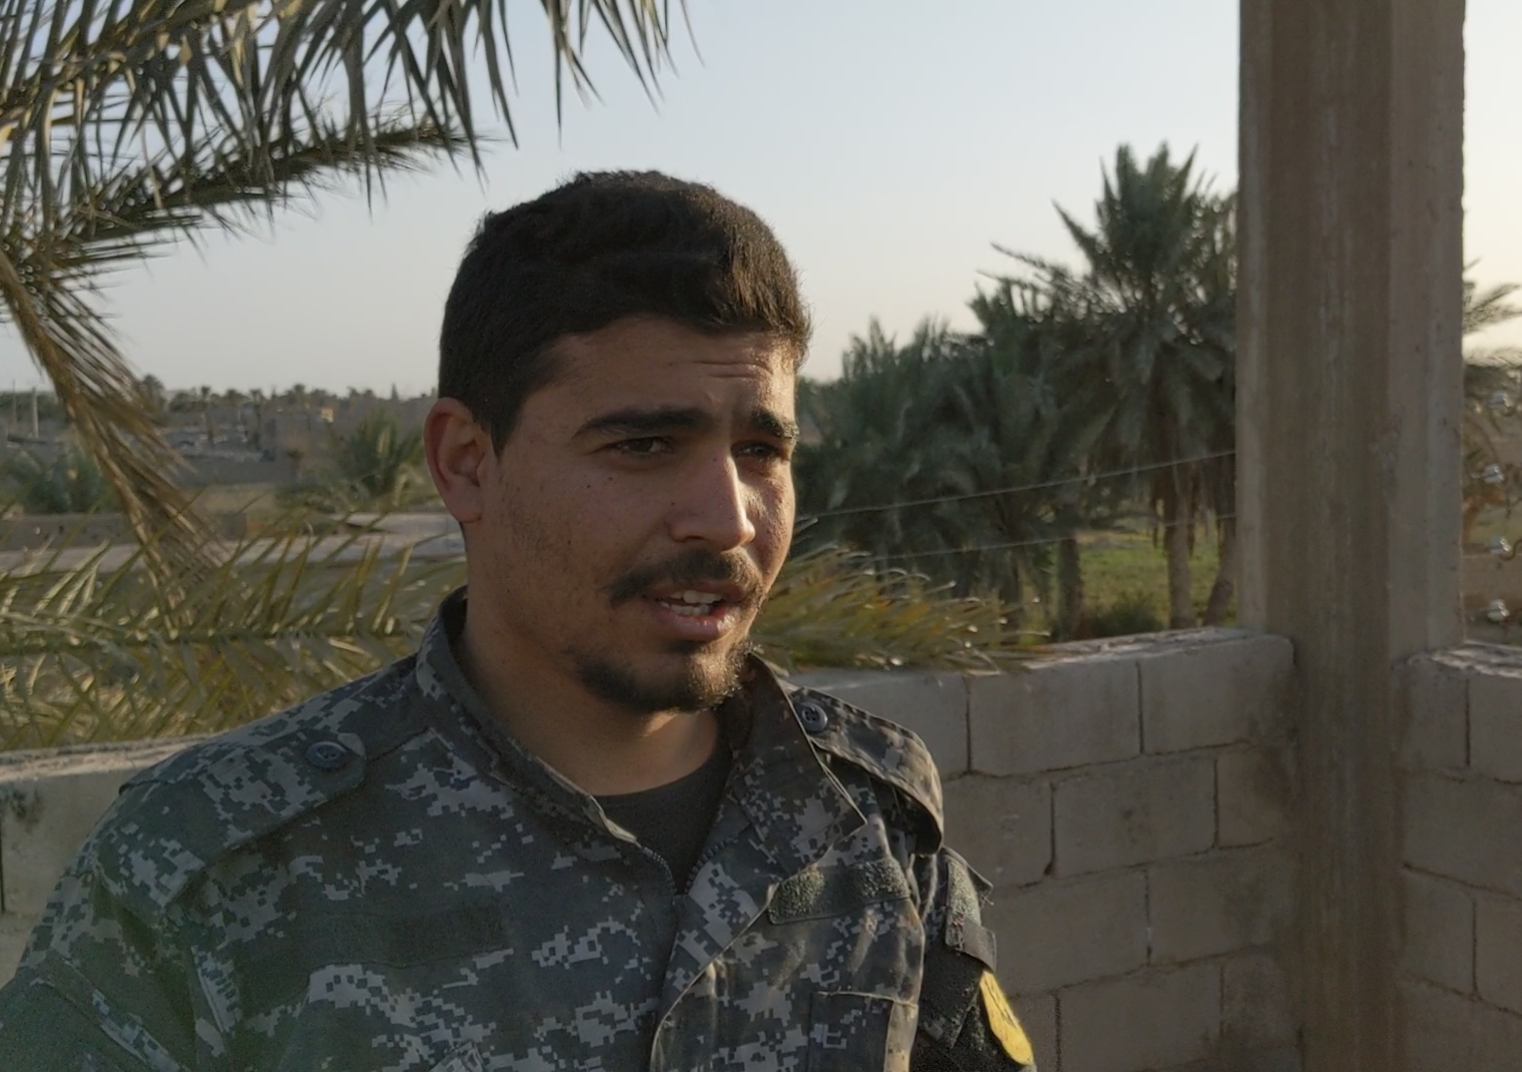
{"x": 691, "y": 677}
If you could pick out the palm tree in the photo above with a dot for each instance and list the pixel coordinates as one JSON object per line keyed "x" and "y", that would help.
{"x": 71, "y": 483}
{"x": 941, "y": 455}
{"x": 1027, "y": 341}
{"x": 1154, "y": 309}
{"x": 376, "y": 466}
{"x": 883, "y": 439}
{"x": 124, "y": 126}
{"x": 154, "y": 399}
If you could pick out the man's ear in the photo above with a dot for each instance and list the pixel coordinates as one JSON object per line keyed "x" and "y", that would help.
{"x": 459, "y": 454}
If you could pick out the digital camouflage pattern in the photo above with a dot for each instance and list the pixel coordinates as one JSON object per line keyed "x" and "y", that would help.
{"x": 382, "y": 879}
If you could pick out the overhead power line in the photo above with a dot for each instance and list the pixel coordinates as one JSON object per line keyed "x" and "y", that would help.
{"x": 1016, "y": 489}
{"x": 1013, "y": 545}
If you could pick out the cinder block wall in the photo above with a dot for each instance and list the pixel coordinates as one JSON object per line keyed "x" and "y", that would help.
{"x": 1129, "y": 802}
{"x": 1127, "y": 799}
{"x": 1461, "y": 852}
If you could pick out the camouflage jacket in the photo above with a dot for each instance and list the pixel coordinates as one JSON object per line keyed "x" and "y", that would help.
{"x": 382, "y": 879}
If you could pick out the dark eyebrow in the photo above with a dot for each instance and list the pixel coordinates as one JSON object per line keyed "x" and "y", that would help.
{"x": 635, "y": 421}
{"x": 642, "y": 422}
{"x": 774, "y": 425}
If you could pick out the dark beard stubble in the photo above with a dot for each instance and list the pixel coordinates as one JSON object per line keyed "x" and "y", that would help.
{"x": 693, "y": 690}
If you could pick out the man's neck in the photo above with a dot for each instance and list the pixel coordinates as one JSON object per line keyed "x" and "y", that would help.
{"x": 600, "y": 747}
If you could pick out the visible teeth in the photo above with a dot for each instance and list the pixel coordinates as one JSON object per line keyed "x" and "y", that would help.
{"x": 692, "y": 604}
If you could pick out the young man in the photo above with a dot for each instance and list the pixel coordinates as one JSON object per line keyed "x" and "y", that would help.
{"x": 582, "y": 827}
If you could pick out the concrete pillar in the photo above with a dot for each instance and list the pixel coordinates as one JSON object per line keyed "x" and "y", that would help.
{"x": 1348, "y": 437}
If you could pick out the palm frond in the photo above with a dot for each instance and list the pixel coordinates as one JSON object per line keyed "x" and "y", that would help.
{"x": 142, "y": 207}
{"x": 127, "y": 124}
{"x": 833, "y": 607}
{"x": 1487, "y": 308}
{"x": 91, "y": 651}
{"x": 75, "y": 348}
{"x": 86, "y": 88}
{"x": 45, "y": 295}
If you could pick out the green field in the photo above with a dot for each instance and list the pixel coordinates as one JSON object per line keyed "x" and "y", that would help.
{"x": 1118, "y": 564}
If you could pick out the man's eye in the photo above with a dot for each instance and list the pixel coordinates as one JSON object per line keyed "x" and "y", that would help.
{"x": 762, "y": 452}
{"x": 645, "y": 445}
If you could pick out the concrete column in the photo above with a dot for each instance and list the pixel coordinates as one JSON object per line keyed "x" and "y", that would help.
{"x": 1348, "y": 437}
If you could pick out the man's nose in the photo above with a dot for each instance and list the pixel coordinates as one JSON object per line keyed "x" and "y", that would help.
{"x": 715, "y": 507}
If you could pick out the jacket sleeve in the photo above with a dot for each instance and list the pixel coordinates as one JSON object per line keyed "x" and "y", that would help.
{"x": 965, "y": 1024}
{"x": 98, "y": 989}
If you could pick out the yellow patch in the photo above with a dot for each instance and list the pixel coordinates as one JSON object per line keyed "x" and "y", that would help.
{"x": 1005, "y": 1024}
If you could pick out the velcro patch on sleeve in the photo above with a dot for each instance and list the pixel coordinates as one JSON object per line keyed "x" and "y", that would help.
{"x": 820, "y": 893}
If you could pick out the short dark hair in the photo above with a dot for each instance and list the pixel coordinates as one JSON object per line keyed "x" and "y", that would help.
{"x": 599, "y": 248}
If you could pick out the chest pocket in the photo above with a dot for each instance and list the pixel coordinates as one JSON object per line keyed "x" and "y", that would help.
{"x": 859, "y": 1033}
{"x": 850, "y": 1030}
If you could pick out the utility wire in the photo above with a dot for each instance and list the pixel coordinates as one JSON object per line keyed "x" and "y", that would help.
{"x": 848, "y": 510}
{"x": 1000, "y": 546}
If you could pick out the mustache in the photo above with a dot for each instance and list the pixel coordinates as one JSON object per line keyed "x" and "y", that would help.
{"x": 687, "y": 570}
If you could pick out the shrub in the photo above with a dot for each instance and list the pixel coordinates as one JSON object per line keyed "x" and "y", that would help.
{"x": 69, "y": 484}
{"x": 376, "y": 467}
{"x": 1130, "y": 612}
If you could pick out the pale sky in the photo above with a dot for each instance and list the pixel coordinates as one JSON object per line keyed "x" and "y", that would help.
{"x": 889, "y": 144}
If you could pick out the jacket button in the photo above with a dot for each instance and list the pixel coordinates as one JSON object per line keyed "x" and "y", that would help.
{"x": 327, "y": 755}
{"x": 814, "y": 717}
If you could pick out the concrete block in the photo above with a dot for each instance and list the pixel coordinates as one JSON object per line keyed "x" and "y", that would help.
{"x": 1432, "y": 692}
{"x": 14, "y": 932}
{"x": 1439, "y": 931}
{"x": 1446, "y": 1032}
{"x": 1283, "y": 1059}
{"x": 1002, "y": 826}
{"x": 1464, "y": 829}
{"x": 1255, "y": 1005}
{"x": 1215, "y": 693}
{"x": 1119, "y": 817}
{"x": 1056, "y": 715}
{"x": 1253, "y": 792}
{"x": 1060, "y": 933}
{"x": 1222, "y": 903}
{"x": 1232, "y": 1055}
{"x": 1148, "y": 1020}
{"x": 45, "y": 816}
{"x": 932, "y": 705}
{"x": 1498, "y": 951}
{"x": 1495, "y": 725}
{"x": 1038, "y": 1015}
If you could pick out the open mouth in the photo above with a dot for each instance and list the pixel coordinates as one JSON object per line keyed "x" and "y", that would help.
{"x": 698, "y": 614}
{"x": 694, "y": 604}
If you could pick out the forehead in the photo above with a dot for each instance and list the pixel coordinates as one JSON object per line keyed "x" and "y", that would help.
{"x": 649, "y": 359}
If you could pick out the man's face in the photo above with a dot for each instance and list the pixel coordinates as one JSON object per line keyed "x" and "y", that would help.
{"x": 639, "y": 513}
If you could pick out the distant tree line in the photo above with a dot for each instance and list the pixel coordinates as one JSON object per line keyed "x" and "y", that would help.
{"x": 1083, "y": 396}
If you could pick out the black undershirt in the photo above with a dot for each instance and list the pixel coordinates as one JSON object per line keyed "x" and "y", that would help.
{"x": 673, "y": 820}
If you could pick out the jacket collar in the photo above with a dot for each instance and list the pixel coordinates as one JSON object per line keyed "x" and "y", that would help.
{"x": 462, "y": 718}
{"x": 782, "y": 781}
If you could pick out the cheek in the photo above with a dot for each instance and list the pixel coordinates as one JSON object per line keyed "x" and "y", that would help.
{"x": 572, "y": 526}
{"x": 774, "y": 525}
